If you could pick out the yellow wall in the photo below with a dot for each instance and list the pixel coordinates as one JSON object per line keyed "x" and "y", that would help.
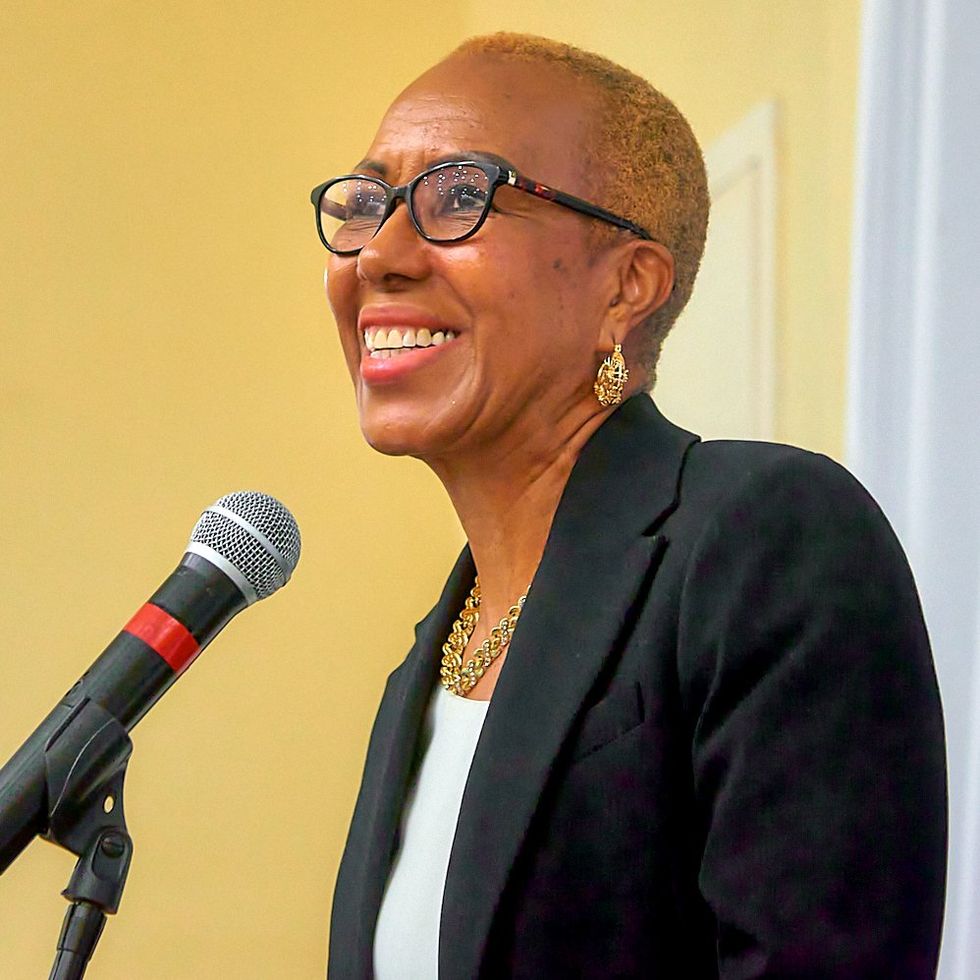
{"x": 165, "y": 341}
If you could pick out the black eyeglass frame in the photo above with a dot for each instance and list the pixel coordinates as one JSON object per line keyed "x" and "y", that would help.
{"x": 498, "y": 177}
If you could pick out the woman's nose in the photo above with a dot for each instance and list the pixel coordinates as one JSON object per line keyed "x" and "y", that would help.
{"x": 396, "y": 251}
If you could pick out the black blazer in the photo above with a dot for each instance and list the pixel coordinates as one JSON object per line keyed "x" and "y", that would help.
{"x": 716, "y": 746}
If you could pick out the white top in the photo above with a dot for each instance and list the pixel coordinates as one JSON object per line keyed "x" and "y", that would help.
{"x": 406, "y": 939}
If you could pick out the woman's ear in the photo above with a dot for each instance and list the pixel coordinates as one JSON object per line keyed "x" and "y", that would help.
{"x": 644, "y": 280}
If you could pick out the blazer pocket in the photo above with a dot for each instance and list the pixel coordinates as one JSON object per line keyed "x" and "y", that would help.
{"x": 619, "y": 712}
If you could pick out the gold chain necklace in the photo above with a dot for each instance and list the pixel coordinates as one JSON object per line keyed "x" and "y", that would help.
{"x": 457, "y": 677}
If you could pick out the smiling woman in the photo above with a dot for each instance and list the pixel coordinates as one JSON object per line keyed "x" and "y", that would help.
{"x": 687, "y": 722}
{"x": 539, "y": 258}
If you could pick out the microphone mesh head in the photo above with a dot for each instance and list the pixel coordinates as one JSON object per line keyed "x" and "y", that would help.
{"x": 256, "y": 534}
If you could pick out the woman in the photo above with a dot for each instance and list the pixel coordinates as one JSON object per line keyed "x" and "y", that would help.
{"x": 687, "y": 724}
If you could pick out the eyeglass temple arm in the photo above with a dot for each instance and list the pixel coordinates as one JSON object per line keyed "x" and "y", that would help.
{"x": 574, "y": 203}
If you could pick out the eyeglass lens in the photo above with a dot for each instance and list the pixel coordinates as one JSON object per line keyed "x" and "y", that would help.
{"x": 448, "y": 202}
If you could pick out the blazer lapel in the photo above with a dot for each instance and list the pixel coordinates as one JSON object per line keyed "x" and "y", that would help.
{"x": 601, "y": 552}
{"x": 405, "y": 705}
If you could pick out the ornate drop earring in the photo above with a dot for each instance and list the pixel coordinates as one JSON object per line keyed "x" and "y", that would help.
{"x": 611, "y": 379}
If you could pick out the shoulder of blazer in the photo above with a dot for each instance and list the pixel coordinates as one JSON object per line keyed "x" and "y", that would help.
{"x": 729, "y": 473}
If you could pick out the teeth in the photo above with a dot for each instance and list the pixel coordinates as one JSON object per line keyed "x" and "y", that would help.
{"x": 400, "y": 338}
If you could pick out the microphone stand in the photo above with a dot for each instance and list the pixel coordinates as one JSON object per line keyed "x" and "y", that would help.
{"x": 85, "y": 766}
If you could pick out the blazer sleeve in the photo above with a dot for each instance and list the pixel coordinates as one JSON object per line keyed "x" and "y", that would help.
{"x": 817, "y": 748}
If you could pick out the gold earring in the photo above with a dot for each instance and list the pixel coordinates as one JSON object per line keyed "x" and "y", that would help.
{"x": 611, "y": 379}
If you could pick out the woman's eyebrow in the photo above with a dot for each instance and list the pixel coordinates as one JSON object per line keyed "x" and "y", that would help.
{"x": 368, "y": 164}
{"x": 479, "y": 155}
{"x": 378, "y": 167}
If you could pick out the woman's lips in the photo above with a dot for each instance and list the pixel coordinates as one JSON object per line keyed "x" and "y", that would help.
{"x": 398, "y": 339}
{"x": 384, "y": 361}
{"x": 398, "y": 315}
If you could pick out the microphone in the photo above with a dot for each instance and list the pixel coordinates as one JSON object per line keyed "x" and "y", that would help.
{"x": 244, "y": 547}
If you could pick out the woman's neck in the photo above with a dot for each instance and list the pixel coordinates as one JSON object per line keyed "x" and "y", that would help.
{"x": 506, "y": 500}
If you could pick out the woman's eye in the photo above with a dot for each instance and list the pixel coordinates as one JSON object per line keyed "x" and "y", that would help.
{"x": 365, "y": 207}
{"x": 466, "y": 198}
{"x": 363, "y": 199}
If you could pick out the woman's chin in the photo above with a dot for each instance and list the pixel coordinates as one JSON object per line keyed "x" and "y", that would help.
{"x": 412, "y": 423}
{"x": 397, "y": 434}
{"x": 389, "y": 446}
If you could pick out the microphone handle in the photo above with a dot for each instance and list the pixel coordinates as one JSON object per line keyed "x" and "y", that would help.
{"x": 127, "y": 679}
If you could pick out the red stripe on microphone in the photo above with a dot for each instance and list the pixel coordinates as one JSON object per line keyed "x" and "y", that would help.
{"x": 170, "y": 638}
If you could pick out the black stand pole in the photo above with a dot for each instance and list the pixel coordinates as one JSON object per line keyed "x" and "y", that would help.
{"x": 85, "y": 763}
{"x": 81, "y": 931}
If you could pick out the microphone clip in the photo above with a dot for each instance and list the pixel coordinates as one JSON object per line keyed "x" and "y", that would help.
{"x": 85, "y": 767}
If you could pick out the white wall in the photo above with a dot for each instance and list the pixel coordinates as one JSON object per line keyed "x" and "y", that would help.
{"x": 914, "y": 385}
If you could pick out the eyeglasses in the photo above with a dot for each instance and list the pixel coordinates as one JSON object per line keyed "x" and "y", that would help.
{"x": 446, "y": 203}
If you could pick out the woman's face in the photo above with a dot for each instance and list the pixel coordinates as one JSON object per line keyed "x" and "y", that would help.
{"x": 521, "y": 301}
